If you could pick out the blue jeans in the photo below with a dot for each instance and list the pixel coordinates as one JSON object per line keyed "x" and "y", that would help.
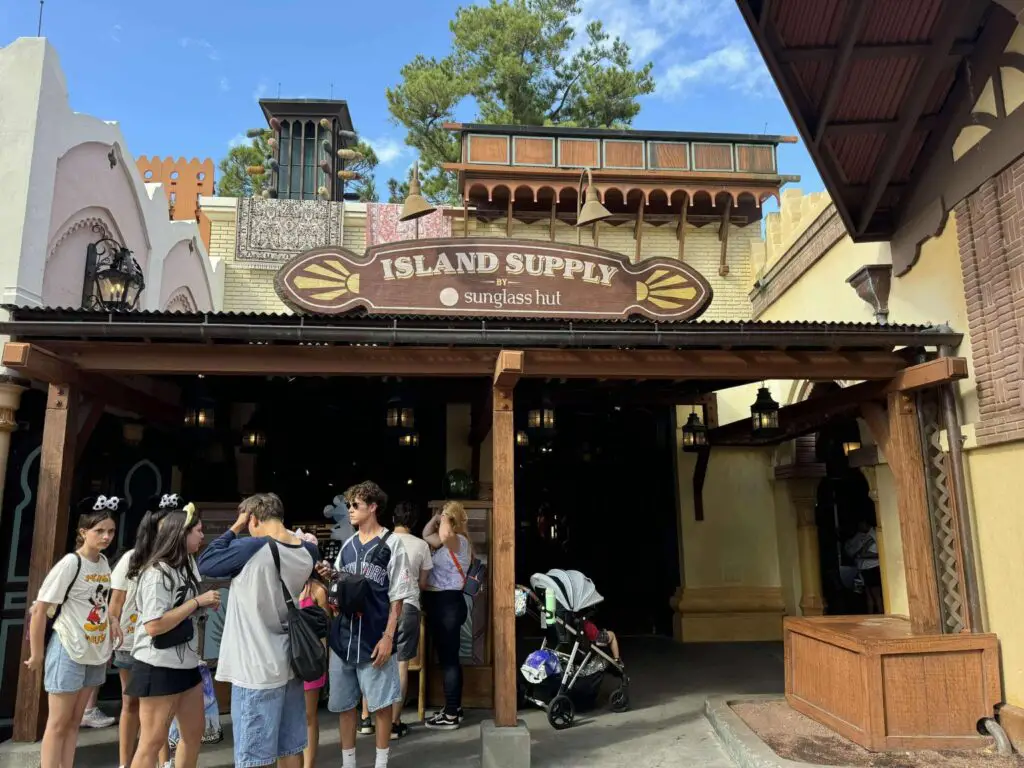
{"x": 268, "y": 723}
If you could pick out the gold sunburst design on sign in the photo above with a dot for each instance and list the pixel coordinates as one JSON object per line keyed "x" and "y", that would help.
{"x": 330, "y": 278}
{"x": 665, "y": 290}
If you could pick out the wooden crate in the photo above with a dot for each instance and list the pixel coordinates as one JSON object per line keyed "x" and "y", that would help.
{"x": 875, "y": 682}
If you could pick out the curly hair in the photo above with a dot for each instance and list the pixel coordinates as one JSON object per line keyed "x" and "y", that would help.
{"x": 456, "y": 514}
{"x": 369, "y": 493}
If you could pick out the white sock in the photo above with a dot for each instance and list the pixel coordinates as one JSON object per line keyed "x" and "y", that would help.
{"x": 348, "y": 758}
{"x": 382, "y": 757}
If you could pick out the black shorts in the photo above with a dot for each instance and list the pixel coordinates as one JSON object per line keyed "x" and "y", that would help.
{"x": 407, "y": 638}
{"x": 147, "y": 680}
{"x": 872, "y": 577}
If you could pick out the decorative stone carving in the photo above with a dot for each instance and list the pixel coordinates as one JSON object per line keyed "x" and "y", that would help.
{"x": 274, "y": 230}
{"x": 872, "y": 282}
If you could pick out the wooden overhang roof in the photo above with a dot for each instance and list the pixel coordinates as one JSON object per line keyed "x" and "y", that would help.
{"x": 879, "y": 89}
{"x": 44, "y": 324}
{"x": 541, "y": 165}
{"x": 313, "y": 109}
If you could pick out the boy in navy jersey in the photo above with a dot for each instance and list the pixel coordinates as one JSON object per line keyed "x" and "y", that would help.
{"x": 362, "y": 644}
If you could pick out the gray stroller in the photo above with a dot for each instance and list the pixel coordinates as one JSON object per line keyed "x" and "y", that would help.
{"x": 565, "y": 674}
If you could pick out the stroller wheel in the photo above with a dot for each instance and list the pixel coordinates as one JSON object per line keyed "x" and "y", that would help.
{"x": 619, "y": 701}
{"x": 561, "y": 712}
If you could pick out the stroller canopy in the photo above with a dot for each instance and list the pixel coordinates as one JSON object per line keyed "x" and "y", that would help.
{"x": 573, "y": 591}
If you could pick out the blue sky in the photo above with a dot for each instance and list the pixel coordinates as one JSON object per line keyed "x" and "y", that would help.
{"x": 183, "y": 78}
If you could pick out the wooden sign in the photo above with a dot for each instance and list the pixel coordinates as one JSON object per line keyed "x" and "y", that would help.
{"x": 491, "y": 277}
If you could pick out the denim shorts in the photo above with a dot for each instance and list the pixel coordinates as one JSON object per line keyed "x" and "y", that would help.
{"x": 268, "y": 724}
{"x": 349, "y": 682}
{"x": 124, "y": 660}
{"x": 62, "y": 674}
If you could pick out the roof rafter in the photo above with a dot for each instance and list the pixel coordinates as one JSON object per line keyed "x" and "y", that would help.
{"x": 959, "y": 49}
{"x": 946, "y": 29}
{"x": 856, "y": 17}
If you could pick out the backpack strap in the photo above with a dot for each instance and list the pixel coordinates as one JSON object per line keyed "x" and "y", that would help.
{"x": 67, "y": 592}
{"x": 277, "y": 564}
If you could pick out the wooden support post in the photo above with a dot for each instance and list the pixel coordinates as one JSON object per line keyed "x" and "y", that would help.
{"x": 508, "y": 219}
{"x": 681, "y": 228}
{"x": 465, "y": 217}
{"x": 638, "y": 230}
{"x": 905, "y": 457}
{"x": 503, "y": 538}
{"x": 49, "y": 536}
{"x": 723, "y": 235}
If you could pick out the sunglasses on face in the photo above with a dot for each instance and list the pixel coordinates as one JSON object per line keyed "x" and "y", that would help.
{"x": 352, "y": 504}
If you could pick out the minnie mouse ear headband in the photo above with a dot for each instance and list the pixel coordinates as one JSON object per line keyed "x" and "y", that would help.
{"x": 173, "y": 502}
{"x": 99, "y": 503}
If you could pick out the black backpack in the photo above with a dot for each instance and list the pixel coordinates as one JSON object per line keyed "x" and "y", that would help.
{"x": 349, "y": 591}
{"x": 307, "y": 627}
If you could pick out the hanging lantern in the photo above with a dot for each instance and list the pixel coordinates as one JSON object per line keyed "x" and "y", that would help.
{"x": 254, "y": 436}
{"x": 542, "y": 417}
{"x": 400, "y": 415}
{"x": 695, "y": 434}
{"x": 522, "y": 439}
{"x": 200, "y": 415}
{"x": 409, "y": 440}
{"x": 849, "y": 446}
{"x": 764, "y": 414}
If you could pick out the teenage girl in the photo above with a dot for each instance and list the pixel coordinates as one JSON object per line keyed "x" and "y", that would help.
{"x": 124, "y": 583}
{"x": 165, "y": 673}
{"x": 76, "y": 657}
{"x": 314, "y": 593}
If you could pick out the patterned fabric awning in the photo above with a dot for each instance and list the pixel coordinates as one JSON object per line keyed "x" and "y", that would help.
{"x": 383, "y": 226}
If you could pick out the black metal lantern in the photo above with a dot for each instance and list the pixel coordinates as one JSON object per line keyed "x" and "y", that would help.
{"x": 764, "y": 414}
{"x": 409, "y": 439}
{"x": 522, "y": 439}
{"x": 200, "y": 413}
{"x": 695, "y": 434}
{"x": 113, "y": 278}
{"x": 400, "y": 414}
{"x": 254, "y": 436}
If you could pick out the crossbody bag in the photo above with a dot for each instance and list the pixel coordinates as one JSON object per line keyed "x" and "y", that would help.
{"x": 473, "y": 581}
{"x": 306, "y": 628}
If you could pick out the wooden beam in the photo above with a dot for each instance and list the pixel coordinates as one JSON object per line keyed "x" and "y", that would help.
{"x": 237, "y": 359}
{"x": 503, "y": 573}
{"x": 937, "y": 59}
{"x": 723, "y": 235}
{"x": 906, "y": 460}
{"x": 681, "y": 228}
{"x": 853, "y": 24}
{"x": 878, "y": 424}
{"x": 508, "y": 368}
{"x": 465, "y": 217}
{"x": 38, "y": 363}
{"x": 942, "y": 370}
{"x": 855, "y": 127}
{"x": 508, "y": 216}
{"x": 554, "y": 217}
{"x": 803, "y": 417}
{"x": 958, "y": 49}
{"x": 49, "y": 537}
{"x": 638, "y": 231}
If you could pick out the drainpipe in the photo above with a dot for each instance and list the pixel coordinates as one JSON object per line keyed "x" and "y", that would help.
{"x": 963, "y": 522}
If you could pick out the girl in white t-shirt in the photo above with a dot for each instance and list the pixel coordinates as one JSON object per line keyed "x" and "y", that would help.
{"x": 77, "y": 654}
{"x": 165, "y": 673}
{"x": 124, "y": 582}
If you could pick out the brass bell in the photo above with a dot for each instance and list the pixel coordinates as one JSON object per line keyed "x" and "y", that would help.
{"x": 415, "y": 204}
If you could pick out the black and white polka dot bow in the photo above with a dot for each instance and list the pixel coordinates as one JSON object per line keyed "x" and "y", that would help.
{"x": 106, "y": 502}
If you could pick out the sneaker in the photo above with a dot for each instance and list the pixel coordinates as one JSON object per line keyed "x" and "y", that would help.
{"x": 213, "y": 736}
{"x": 460, "y": 714}
{"x": 399, "y": 730}
{"x": 365, "y": 726}
{"x": 94, "y": 718}
{"x": 442, "y": 721}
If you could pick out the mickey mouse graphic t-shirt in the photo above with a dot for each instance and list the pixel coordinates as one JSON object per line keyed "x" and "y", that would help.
{"x": 82, "y": 625}
{"x": 161, "y": 589}
{"x": 130, "y": 611}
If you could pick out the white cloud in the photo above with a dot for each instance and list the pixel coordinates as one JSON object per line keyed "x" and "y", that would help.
{"x": 225, "y": 84}
{"x": 238, "y": 140}
{"x": 736, "y": 66}
{"x": 388, "y": 150}
{"x": 115, "y": 33}
{"x": 260, "y": 91}
{"x": 204, "y": 45}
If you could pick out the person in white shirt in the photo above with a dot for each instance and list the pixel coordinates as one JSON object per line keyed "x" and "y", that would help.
{"x": 124, "y": 583}
{"x": 75, "y": 659}
{"x": 165, "y": 673}
{"x": 407, "y": 639}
